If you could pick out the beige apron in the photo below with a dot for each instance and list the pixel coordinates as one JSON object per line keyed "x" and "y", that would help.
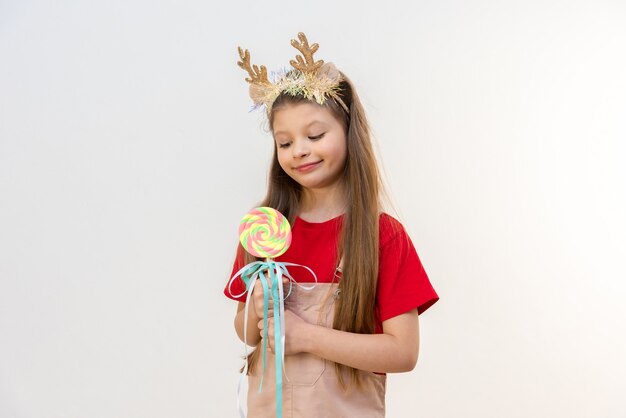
{"x": 310, "y": 384}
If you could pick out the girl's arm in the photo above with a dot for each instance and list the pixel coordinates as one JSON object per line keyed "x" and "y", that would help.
{"x": 253, "y": 336}
{"x": 394, "y": 351}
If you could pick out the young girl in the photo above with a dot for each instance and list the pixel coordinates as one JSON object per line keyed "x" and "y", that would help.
{"x": 360, "y": 321}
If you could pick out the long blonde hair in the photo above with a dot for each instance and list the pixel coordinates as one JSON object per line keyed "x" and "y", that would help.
{"x": 359, "y": 242}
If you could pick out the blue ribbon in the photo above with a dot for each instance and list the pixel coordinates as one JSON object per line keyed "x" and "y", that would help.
{"x": 250, "y": 273}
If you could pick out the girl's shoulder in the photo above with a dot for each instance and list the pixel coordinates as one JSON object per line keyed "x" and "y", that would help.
{"x": 390, "y": 229}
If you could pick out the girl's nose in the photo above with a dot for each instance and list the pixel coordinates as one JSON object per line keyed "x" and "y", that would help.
{"x": 301, "y": 149}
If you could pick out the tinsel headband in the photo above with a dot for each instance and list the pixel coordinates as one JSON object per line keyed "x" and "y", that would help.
{"x": 313, "y": 80}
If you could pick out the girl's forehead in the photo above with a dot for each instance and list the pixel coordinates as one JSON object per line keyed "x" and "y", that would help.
{"x": 301, "y": 115}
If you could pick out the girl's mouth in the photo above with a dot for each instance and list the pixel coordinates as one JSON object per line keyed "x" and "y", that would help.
{"x": 307, "y": 167}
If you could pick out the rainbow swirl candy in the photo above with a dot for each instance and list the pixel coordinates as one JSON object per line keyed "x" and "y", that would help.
{"x": 264, "y": 232}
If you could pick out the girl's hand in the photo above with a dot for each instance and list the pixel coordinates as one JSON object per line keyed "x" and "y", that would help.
{"x": 257, "y": 295}
{"x": 295, "y": 332}
{"x": 257, "y": 299}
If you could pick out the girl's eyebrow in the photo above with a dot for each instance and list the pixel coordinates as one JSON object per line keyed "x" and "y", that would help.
{"x": 306, "y": 126}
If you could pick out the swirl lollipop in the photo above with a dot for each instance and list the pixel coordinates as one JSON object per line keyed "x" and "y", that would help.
{"x": 264, "y": 232}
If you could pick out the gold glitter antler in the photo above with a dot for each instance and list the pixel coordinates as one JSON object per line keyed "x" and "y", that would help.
{"x": 308, "y": 64}
{"x": 257, "y": 76}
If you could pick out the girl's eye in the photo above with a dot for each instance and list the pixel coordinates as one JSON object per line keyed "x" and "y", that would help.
{"x": 313, "y": 138}
{"x": 285, "y": 145}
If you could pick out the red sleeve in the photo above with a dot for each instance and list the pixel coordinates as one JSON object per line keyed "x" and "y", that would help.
{"x": 238, "y": 286}
{"x": 403, "y": 284}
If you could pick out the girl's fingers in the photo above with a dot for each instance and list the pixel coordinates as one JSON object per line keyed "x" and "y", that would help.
{"x": 270, "y": 313}
{"x": 270, "y": 323}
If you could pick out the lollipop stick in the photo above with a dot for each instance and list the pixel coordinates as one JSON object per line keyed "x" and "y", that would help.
{"x": 266, "y": 291}
{"x": 278, "y": 336}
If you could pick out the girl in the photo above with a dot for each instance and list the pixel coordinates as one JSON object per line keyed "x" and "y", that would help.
{"x": 360, "y": 321}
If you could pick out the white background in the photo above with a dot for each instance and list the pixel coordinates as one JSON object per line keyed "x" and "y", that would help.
{"x": 128, "y": 156}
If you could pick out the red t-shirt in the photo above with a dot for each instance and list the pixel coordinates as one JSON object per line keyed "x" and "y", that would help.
{"x": 402, "y": 282}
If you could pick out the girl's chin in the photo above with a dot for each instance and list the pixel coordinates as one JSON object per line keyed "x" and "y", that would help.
{"x": 313, "y": 185}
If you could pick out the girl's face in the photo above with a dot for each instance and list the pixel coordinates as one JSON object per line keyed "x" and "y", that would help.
{"x": 310, "y": 144}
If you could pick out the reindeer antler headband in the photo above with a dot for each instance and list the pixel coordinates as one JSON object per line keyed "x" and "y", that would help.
{"x": 314, "y": 80}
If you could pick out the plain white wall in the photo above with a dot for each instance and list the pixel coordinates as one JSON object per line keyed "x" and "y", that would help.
{"x": 128, "y": 156}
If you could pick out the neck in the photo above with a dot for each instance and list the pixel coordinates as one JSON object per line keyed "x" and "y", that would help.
{"x": 319, "y": 205}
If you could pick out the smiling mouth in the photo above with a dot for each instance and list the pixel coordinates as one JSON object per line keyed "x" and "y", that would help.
{"x": 306, "y": 167}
